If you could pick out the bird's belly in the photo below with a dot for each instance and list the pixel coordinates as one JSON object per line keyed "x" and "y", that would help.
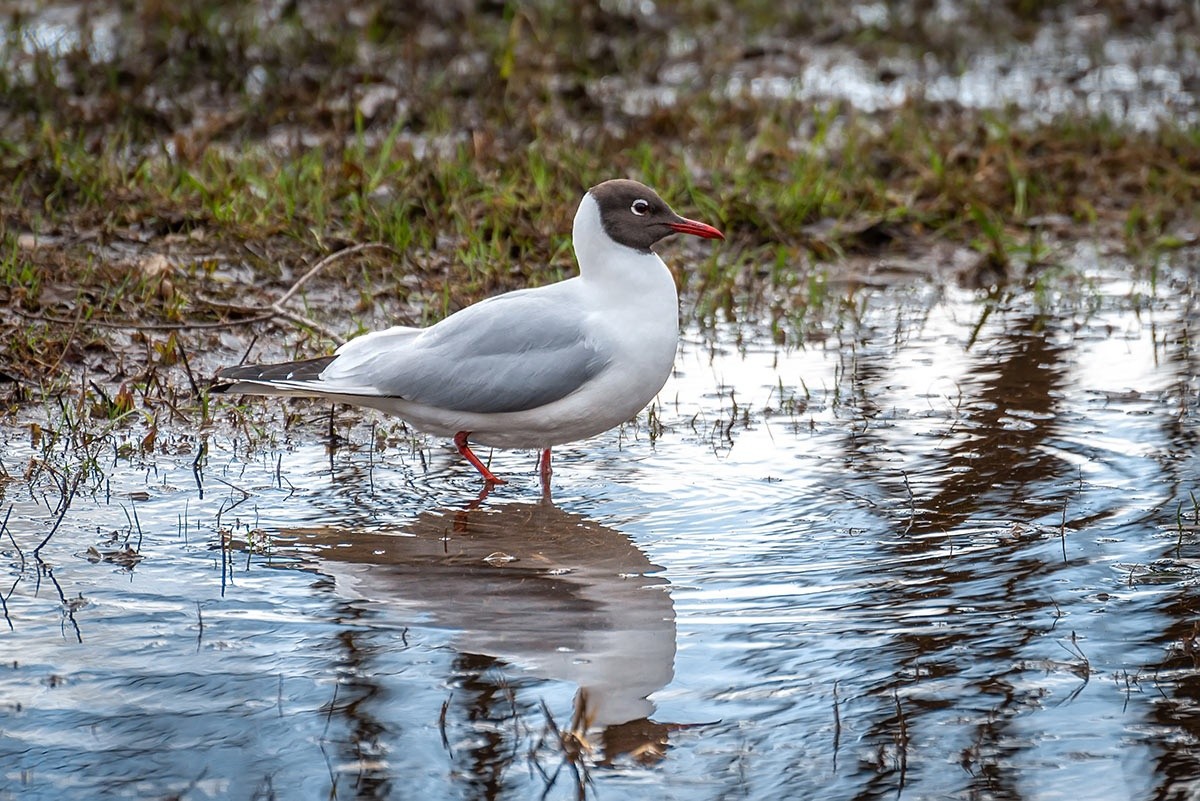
{"x": 610, "y": 399}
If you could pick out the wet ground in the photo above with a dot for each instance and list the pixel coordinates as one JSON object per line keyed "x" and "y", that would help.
{"x": 946, "y": 549}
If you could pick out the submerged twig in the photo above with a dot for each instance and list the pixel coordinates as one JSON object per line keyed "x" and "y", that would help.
{"x": 199, "y": 626}
{"x": 4, "y": 528}
{"x": 187, "y": 368}
{"x": 63, "y": 506}
{"x": 3, "y": 597}
{"x": 324, "y": 738}
{"x": 4, "y": 609}
{"x": 1062, "y": 532}
{"x": 224, "y": 556}
{"x": 912, "y": 503}
{"x": 442, "y": 725}
{"x": 901, "y": 738}
{"x": 138, "y": 524}
{"x": 837, "y": 725}
{"x": 67, "y": 606}
{"x": 197, "y": 471}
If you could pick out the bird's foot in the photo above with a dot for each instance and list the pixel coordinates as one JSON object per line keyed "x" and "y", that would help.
{"x": 460, "y": 442}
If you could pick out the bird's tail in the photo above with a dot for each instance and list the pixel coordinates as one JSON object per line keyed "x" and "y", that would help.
{"x": 271, "y": 379}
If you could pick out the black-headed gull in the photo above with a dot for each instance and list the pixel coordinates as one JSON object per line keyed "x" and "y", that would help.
{"x": 527, "y": 369}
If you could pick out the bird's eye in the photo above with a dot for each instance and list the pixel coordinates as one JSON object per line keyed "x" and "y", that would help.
{"x": 640, "y": 207}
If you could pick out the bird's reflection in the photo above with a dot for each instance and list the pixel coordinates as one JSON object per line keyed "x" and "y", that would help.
{"x": 544, "y": 590}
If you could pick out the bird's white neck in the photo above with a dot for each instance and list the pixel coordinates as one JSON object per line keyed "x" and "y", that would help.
{"x": 604, "y": 261}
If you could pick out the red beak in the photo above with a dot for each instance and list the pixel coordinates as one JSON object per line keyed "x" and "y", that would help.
{"x": 686, "y": 226}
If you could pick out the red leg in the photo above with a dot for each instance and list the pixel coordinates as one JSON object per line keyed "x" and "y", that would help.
{"x": 460, "y": 442}
{"x": 544, "y": 465}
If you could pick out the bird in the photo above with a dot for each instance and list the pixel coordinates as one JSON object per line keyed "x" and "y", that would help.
{"x": 527, "y": 369}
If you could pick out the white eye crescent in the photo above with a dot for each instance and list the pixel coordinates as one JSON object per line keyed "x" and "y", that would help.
{"x": 640, "y": 207}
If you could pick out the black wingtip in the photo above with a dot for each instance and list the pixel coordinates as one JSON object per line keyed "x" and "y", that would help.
{"x": 302, "y": 370}
{"x": 220, "y": 384}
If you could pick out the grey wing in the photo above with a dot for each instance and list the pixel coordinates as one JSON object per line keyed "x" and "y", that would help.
{"x": 510, "y": 353}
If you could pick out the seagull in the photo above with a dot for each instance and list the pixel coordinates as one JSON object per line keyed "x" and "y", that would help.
{"x": 532, "y": 368}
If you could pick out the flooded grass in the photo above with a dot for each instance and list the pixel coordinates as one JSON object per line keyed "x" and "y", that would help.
{"x": 77, "y": 282}
{"x": 916, "y": 516}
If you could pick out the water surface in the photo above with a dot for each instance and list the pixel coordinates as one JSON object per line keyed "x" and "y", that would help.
{"x": 945, "y": 548}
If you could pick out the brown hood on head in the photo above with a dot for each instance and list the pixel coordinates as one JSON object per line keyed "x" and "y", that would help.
{"x": 633, "y": 215}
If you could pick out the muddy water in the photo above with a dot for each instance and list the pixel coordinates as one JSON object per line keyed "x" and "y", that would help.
{"x": 946, "y": 549}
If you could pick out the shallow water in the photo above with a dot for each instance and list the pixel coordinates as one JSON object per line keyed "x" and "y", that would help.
{"x": 946, "y": 549}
